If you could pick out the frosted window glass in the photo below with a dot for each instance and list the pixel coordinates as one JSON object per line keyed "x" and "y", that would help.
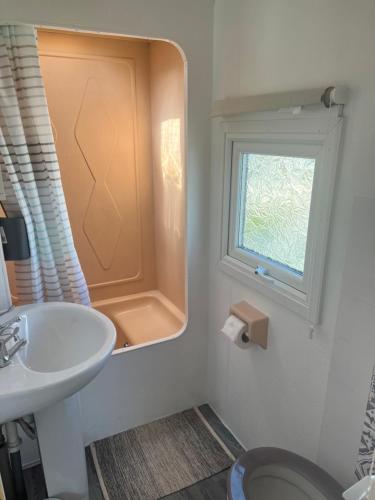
{"x": 275, "y": 207}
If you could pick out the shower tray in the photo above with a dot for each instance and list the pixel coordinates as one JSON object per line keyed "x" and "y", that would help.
{"x": 142, "y": 318}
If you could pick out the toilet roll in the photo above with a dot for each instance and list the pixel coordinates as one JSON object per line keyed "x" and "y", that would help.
{"x": 234, "y": 329}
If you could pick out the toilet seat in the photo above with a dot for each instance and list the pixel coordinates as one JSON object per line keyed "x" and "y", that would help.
{"x": 273, "y": 473}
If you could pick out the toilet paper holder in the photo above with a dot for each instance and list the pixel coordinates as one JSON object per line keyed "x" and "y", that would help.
{"x": 257, "y": 322}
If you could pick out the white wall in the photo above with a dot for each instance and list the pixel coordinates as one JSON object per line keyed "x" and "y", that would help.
{"x": 354, "y": 349}
{"x": 279, "y": 397}
{"x": 141, "y": 385}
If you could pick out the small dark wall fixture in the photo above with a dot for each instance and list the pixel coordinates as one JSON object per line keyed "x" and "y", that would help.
{"x": 14, "y": 238}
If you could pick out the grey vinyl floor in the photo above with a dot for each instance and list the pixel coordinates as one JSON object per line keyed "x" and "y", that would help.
{"x": 212, "y": 488}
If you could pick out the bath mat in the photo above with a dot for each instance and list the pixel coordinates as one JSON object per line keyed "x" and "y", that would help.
{"x": 160, "y": 458}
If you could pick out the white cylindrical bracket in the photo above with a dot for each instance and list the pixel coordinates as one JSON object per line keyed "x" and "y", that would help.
{"x": 333, "y": 96}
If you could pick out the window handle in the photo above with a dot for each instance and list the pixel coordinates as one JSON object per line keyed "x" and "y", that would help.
{"x": 262, "y": 272}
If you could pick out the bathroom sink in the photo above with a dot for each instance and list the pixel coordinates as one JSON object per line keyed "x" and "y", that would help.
{"x": 67, "y": 346}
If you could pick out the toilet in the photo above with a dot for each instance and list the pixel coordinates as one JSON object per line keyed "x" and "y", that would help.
{"x": 277, "y": 474}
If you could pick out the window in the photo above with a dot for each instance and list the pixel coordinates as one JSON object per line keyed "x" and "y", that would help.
{"x": 270, "y": 211}
{"x": 278, "y": 191}
{"x": 274, "y": 207}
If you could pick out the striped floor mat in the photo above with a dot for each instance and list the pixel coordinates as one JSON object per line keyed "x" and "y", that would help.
{"x": 160, "y": 458}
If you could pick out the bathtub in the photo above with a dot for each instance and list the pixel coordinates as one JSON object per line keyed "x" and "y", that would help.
{"x": 142, "y": 318}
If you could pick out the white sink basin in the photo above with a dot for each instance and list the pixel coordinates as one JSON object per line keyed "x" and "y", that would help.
{"x": 67, "y": 346}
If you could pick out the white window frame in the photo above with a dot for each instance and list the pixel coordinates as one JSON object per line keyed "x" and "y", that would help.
{"x": 313, "y": 133}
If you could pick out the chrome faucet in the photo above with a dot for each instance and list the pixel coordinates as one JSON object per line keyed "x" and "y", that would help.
{"x": 9, "y": 331}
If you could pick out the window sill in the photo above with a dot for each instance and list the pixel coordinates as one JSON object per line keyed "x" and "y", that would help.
{"x": 287, "y": 296}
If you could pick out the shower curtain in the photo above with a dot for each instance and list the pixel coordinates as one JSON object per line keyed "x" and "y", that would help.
{"x": 31, "y": 176}
{"x": 367, "y": 444}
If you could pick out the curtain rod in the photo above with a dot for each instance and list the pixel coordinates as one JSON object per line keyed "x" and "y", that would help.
{"x": 328, "y": 96}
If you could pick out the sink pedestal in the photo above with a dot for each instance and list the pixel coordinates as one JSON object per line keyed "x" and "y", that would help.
{"x": 62, "y": 450}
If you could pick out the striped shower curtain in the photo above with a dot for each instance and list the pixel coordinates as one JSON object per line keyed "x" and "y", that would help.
{"x": 31, "y": 176}
{"x": 367, "y": 445}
